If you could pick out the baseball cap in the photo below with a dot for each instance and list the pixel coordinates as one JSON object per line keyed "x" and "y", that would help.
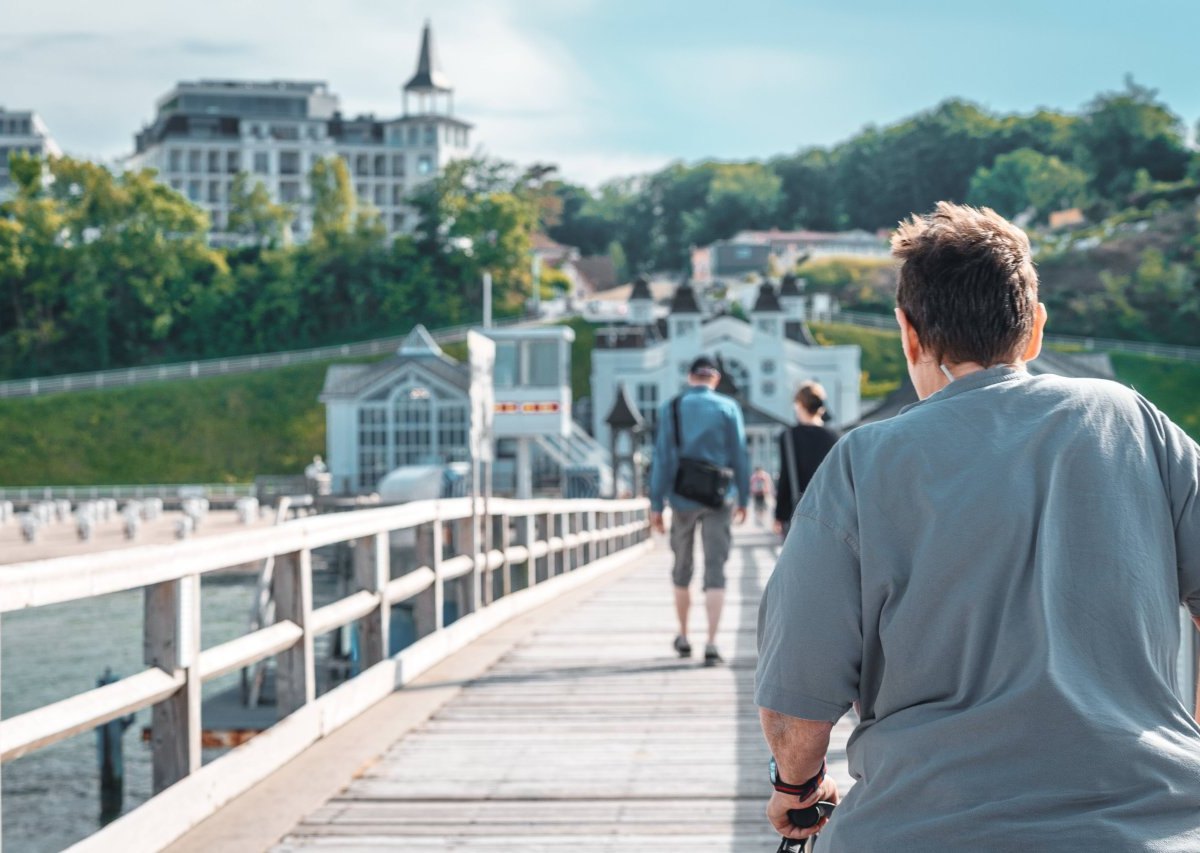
{"x": 704, "y": 366}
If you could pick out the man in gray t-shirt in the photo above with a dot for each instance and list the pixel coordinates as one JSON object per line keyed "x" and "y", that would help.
{"x": 993, "y": 578}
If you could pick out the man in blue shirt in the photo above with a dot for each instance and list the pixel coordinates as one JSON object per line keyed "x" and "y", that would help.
{"x": 710, "y": 429}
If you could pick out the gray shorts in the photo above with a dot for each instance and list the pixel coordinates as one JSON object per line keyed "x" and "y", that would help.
{"x": 716, "y": 534}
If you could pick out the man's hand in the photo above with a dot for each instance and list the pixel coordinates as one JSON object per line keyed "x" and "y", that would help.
{"x": 739, "y": 515}
{"x": 657, "y": 524}
{"x": 781, "y": 804}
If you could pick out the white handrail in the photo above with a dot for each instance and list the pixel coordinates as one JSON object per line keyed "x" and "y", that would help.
{"x": 554, "y": 538}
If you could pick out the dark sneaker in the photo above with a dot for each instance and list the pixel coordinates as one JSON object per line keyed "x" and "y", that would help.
{"x": 712, "y": 657}
{"x": 683, "y": 647}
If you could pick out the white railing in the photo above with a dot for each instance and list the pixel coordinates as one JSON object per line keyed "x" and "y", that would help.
{"x": 518, "y": 555}
{"x": 1182, "y": 353}
{"x": 212, "y": 491}
{"x": 123, "y": 377}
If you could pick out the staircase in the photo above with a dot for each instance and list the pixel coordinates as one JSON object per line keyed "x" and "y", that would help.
{"x": 581, "y": 449}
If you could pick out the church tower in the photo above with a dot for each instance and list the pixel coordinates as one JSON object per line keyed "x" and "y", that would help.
{"x": 429, "y": 130}
{"x": 429, "y": 85}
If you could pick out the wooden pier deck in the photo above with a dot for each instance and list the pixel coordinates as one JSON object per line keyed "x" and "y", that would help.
{"x": 588, "y": 735}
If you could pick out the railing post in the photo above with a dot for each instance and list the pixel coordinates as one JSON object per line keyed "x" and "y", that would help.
{"x": 473, "y": 526}
{"x": 439, "y": 585}
{"x": 171, "y": 642}
{"x": 427, "y": 614}
{"x": 562, "y": 558}
{"x": 372, "y": 573}
{"x": 531, "y": 536}
{"x": 295, "y": 672}
{"x": 502, "y": 536}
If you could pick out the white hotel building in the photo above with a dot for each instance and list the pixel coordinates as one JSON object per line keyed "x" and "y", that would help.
{"x": 204, "y": 133}
{"x": 22, "y": 132}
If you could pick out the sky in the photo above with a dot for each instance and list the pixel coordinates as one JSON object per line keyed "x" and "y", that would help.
{"x": 603, "y": 88}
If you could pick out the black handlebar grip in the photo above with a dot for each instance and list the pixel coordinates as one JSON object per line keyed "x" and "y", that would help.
{"x": 804, "y": 818}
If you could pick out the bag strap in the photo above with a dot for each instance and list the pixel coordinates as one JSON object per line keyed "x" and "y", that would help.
{"x": 789, "y": 450}
{"x": 675, "y": 423}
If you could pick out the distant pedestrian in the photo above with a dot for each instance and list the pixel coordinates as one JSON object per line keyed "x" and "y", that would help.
{"x": 801, "y": 449}
{"x": 700, "y": 459}
{"x": 760, "y": 490}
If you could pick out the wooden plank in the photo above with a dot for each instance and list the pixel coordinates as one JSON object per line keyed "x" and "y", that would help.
{"x": 251, "y": 648}
{"x": 49, "y": 724}
{"x": 167, "y": 816}
{"x": 343, "y": 611}
{"x": 43, "y": 582}
{"x": 408, "y": 585}
{"x": 592, "y": 736}
{"x": 171, "y": 631}
{"x": 371, "y": 573}
{"x": 295, "y": 673}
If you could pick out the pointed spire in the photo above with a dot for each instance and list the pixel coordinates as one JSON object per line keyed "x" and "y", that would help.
{"x": 768, "y": 299}
{"x": 641, "y": 289}
{"x": 624, "y": 414}
{"x": 684, "y": 300}
{"x": 429, "y": 78}
{"x": 790, "y": 286}
{"x": 419, "y": 342}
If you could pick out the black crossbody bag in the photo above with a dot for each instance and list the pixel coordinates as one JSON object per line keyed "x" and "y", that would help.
{"x": 695, "y": 479}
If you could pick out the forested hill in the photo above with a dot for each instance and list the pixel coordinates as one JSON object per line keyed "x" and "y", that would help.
{"x": 1121, "y": 150}
{"x": 100, "y": 270}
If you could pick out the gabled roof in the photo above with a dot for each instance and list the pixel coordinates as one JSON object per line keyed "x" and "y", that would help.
{"x": 684, "y": 300}
{"x": 789, "y": 286}
{"x": 641, "y": 289}
{"x": 768, "y": 299}
{"x": 798, "y": 331}
{"x": 419, "y": 348}
{"x": 429, "y": 77}
{"x": 624, "y": 414}
{"x": 598, "y": 271}
{"x": 419, "y": 342}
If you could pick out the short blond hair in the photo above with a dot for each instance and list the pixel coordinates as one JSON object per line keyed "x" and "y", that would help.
{"x": 967, "y": 284}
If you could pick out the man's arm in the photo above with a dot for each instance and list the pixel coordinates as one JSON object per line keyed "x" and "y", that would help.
{"x": 662, "y": 466}
{"x": 799, "y": 748}
{"x": 1196, "y": 712}
{"x": 741, "y": 458}
{"x": 783, "y": 494}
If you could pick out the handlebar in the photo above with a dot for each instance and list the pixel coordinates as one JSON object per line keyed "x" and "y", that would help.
{"x": 804, "y": 818}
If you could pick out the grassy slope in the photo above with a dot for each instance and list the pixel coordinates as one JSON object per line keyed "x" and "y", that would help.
{"x": 224, "y": 429}
{"x": 882, "y": 362}
{"x": 1173, "y": 386}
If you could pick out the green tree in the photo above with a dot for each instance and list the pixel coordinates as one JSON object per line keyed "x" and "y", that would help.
{"x": 253, "y": 216}
{"x": 616, "y": 256}
{"x": 1122, "y": 132}
{"x": 1024, "y": 180}
{"x": 740, "y": 196}
{"x": 333, "y": 201}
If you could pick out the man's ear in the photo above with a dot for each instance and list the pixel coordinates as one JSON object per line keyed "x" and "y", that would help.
{"x": 908, "y": 338}
{"x": 1039, "y": 330}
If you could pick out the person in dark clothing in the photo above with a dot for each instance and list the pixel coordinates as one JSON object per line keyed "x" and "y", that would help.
{"x": 810, "y": 441}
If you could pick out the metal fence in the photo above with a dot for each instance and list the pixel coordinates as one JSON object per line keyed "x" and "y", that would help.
{"x": 212, "y": 491}
{"x": 127, "y": 376}
{"x": 1182, "y": 353}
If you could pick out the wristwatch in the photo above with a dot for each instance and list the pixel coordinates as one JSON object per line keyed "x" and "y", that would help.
{"x": 804, "y": 790}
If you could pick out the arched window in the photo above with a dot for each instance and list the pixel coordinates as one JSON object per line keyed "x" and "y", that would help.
{"x": 739, "y": 375}
{"x": 412, "y": 423}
